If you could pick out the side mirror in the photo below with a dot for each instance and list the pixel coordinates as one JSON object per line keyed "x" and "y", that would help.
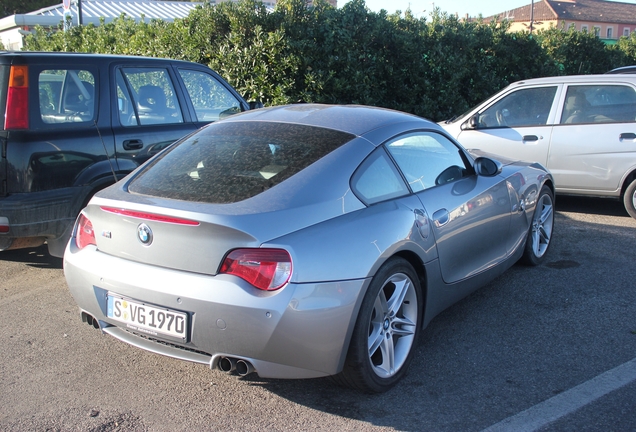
{"x": 471, "y": 123}
{"x": 255, "y": 105}
{"x": 487, "y": 167}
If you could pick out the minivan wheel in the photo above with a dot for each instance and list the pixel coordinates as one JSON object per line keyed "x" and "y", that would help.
{"x": 629, "y": 199}
{"x": 386, "y": 331}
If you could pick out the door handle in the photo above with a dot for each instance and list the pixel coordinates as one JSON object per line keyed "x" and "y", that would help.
{"x": 133, "y": 144}
{"x": 628, "y": 136}
{"x": 530, "y": 138}
{"x": 441, "y": 218}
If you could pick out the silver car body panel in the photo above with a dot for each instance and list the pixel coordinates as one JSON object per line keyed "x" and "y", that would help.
{"x": 585, "y": 159}
{"x": 458, "y": 236}
{"x": 302, "y": 326}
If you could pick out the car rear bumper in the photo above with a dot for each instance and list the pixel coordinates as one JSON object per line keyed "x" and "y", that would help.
{"x": 39, "y": 214}
{"x": 299, "y": 331}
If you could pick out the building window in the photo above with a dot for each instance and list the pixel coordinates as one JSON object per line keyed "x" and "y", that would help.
{"x": 626, "y": 31}
{"x": 597, "y": 31}
{"x": 610, "y": 33}
{"x": 584, "y": 28}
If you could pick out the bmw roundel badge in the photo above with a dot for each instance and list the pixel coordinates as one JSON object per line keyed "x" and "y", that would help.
{"x": 144, "y": 234}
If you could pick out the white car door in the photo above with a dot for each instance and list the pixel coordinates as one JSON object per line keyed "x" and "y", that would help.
{"x": 594, "y": 146}
{"x": 517, "y": 125}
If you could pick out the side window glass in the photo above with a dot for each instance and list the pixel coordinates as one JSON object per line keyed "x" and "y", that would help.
{"x": 428, "y": 159}
{"x": 67, "y": 96}
{"x": 599, "y": 104}
{"x": 377, "y": 179}
{"x": 526, "y": 107}
{"x": 211, "y": 100}
{"x": 151, "y": 95}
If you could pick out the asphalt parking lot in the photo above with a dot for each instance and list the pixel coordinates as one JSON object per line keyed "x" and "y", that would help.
{"x": 550, "y": 348}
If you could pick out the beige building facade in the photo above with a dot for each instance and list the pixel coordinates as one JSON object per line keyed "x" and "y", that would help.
{"x": 609, "y": 20}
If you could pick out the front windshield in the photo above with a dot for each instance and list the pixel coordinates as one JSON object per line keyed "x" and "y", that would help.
{"x": 465, "y": 114}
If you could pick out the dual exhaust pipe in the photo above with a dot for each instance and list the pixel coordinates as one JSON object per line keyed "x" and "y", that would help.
{"x": 240, "y": 366}
{"x": 226, "y": 364}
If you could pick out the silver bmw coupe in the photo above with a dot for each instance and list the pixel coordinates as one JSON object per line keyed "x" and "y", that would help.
{"x": 303, "y": 241}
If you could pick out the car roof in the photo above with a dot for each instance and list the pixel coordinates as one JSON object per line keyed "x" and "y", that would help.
{"x": 353, "y": 119}
{"x": 577, "y": 79}
{"x": 58, "y": 54}
{"x": 624, "y": 69}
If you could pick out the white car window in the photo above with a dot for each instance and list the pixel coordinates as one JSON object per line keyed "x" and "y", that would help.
{"x": 599, "y": 104}
{"x": 525, "y": 107}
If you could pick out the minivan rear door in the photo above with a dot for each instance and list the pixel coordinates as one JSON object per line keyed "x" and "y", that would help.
{"x": 594, "y": 145}
{"x": 150, "y": 112}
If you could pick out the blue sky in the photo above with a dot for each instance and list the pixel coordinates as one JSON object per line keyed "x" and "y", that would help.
{"x": 422, "y": 8}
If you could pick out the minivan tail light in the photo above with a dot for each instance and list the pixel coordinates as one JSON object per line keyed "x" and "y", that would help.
{"x": 266, "y": 269}
{"x": 84, "y": 234}
{"x": 17, "y": 112}
{"x": 4, "y": 225}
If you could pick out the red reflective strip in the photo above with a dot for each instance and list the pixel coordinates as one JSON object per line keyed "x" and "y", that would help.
{"x": 150, "y": 216}
{"x": 4, "y": 228}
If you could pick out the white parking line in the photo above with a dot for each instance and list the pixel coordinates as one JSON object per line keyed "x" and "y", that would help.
{"x": 569, "y": 401}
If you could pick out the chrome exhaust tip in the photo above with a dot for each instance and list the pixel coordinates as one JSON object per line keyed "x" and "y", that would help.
{"x": 90, "y": 320}
{"x": 244, "y": 367}
{"x": 227, "y": 364}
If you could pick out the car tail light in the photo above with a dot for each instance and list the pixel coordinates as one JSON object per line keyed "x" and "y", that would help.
{"x": 17, "y": 113}
{"x": 266, "y": 269}
{"x": 4, "y": 225}
{"x": 84, "y": 234}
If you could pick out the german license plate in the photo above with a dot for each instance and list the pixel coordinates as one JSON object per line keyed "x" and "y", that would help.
{"x": 146, "y": 318}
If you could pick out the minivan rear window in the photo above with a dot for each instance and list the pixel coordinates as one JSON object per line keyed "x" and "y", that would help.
{"x": 66, "y": 96}
{"x": 230, "y": 162}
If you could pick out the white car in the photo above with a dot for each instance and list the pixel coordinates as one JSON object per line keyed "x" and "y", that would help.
{"x": 582, "y": 128}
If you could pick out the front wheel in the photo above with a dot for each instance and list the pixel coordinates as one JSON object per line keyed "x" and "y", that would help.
{"x": 540, "y": 232}
{"x": 386, "y": 330}
{"x": 629, "y": 199}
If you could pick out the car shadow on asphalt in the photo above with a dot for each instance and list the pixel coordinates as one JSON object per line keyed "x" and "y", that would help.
{"x": 596, "y": 206}
{"x": 34, "y": 257}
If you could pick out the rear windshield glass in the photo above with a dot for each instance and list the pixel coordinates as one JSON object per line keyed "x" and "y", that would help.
{"x": 230, "y": 162}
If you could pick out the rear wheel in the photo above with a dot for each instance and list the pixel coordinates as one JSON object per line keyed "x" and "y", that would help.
{"x": 629, "y": 199}
{"x": 540, "y": 233}
{"x": 386, "y": 331}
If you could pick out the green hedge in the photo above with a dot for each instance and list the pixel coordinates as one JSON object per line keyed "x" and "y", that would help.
{"x": 436, "y": 67}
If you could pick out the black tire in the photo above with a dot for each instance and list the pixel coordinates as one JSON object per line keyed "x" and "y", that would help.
{"x": 541, "y": 228}
{"x": 386, "y": 330}
{"x": 629, "y": 199}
